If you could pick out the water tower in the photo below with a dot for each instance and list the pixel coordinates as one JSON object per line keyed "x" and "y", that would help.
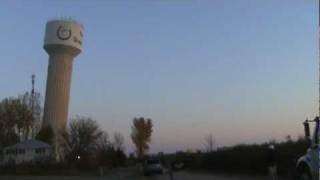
{"x": 63, "y": 42}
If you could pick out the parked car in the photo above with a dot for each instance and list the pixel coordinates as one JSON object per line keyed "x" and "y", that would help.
{"x": 177, "y": 166}
{"x": 152, "y": 167}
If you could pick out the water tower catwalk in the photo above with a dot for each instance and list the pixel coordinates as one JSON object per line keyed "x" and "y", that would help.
{"x": 63, "y": 42}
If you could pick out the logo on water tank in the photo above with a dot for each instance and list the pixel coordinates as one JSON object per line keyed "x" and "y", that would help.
{"x": 63, "y": 33}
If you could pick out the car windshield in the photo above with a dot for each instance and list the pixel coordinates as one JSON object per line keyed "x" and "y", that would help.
{"x": 176, "y": 89}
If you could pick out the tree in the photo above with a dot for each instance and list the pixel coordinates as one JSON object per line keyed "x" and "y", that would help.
{"x": 118, "y": 144}
{"x": 81, "y": 138}
{"x": 289, "y": 139}
{"x": 103, "y": 141}
{"x": 209, "y": 143}
{"x": 18, "y": 121}
{"x": 110, "y": 154}
{"x": 8, "y": 134}
{"x": 118, "y": 141}
{"x": 141, "y": 135}
{"x": 33, "y": 102}
{"x": 105, "y": 152}
{"x": 15, "y": 121}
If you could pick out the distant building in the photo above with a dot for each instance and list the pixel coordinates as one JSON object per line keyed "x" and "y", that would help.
{"x": 27, "y": 151}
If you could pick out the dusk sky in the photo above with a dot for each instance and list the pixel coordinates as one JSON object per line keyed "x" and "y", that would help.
{"x": 245, "y": 71}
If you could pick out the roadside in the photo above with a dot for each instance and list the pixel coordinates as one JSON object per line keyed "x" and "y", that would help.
{"x": 132, "y": 174}
{"x": 184, "y": 175}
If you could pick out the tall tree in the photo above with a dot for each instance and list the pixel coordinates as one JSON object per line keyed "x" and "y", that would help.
{"x": 141, "y": 135}
{"x": 15, "y": 119}
{"x": 82, "y": 137}
{"x": 110, "y": 154}
{"x": 8, "y": 134}
{"x": 103, "y": 141}
{"x": 118, "y": 141}
{"x": 209, "y": 143}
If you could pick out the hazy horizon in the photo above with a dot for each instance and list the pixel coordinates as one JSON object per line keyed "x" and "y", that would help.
{"x": 245, "y": 71}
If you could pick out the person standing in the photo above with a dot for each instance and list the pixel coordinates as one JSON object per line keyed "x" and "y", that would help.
{"x": 271, "y": 162}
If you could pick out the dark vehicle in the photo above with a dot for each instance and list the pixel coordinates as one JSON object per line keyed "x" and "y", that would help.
{"x": 176, "y": 166}
{"x": 152, "y": 167}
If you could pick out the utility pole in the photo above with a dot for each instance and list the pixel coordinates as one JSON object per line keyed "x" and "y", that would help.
{"x": 317, "y": 128}
{"x": 32, "y": 100}
{"x": 32, "y": 93}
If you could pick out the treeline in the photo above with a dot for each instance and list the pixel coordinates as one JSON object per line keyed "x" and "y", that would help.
{"x": 86, "y": 149}
{"x": 84, "y": 145}
{"x": 246, "y": 159}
